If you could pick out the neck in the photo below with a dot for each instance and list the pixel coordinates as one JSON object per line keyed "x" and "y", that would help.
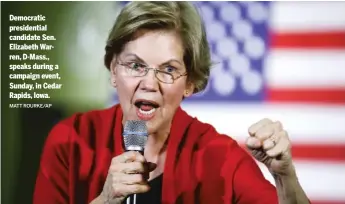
{"x": 156, "y": 144}
{"x": 157, "y": 141}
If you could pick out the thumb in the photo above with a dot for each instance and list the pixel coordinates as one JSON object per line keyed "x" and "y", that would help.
{"x": 151, "y": 166}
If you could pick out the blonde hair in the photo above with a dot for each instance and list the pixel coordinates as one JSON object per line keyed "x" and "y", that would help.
{"x": 182, "y": 17}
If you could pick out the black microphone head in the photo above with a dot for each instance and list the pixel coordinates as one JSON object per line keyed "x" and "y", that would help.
{"x": 135, "y": 135}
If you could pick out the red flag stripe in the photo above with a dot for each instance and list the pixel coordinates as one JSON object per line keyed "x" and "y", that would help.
{"x": 318, "y": 152}
{"x": 315, "y": 40}
{"x": 312, "y": 95}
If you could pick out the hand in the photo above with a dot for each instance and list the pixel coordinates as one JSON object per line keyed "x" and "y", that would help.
{"x": 269, "y": 143}
{"x": 128, "y": 174}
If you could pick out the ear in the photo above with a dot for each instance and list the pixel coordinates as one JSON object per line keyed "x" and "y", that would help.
{"x": 113, "y": 72}
{"x": 189, "y": 89}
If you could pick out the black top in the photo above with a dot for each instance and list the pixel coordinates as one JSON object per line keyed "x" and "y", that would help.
{"x": 154, "y": 195}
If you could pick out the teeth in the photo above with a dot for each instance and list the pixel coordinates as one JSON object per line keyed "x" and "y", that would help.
{"x": 147, "y": 112}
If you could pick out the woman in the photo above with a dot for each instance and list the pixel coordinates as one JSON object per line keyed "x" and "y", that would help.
{"x": 158, "y": 54}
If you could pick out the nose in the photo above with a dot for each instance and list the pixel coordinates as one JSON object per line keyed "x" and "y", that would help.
{"x": 149, "y": 82}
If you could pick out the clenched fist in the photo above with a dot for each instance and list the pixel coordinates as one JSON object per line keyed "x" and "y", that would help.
{"x": 128, "y": 174}
{"x": 269, "y": 143}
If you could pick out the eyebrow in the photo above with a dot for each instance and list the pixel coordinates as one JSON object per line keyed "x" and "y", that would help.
{"x": 143, "y": 61}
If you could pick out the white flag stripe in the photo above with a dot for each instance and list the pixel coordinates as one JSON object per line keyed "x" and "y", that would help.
{"x": 320, "y": 180}
{"x": 305, "y": 69}
{"x": 307, "y": 16}
{"x": 305, "y": 124}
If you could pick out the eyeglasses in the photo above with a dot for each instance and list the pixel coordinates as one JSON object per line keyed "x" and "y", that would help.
{"x": 135, "y": 69}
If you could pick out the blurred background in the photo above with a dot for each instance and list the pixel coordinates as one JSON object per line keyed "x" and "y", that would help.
{"x": 282, "y": 60}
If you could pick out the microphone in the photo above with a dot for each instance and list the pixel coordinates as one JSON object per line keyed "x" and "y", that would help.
{"x": 135, "y": 137}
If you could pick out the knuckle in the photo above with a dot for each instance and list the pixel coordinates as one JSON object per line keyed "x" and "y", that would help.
{"x": 132, "y": 154}
{"x": 114, "y": 168}
{"x": 135, "y": 189}
{"x": 126, "y": 156}
{"x": 117, "y": 191}
{"x": 131, "y": 179}
{"x": 267, "y": 144}
{"x": 138, "y": 178}
{"x": 137, "y": 167}
{"x": 266, "y": 120}
{"x": 134, "y": 169}
{"x": 140, "y": 167}
{"x": 259, "y": 125}
{"x": 140, "y": 157}
{"x": 130, "y": 168}
{"x": 278, "y": 124}
{"x": 138, "y": 188}
{"x": 127, "y": 170}
{"x": 264, "y": 132}
{"x": 146, "y": 188}
{"x": 136, "y": 154}
{"x": 251, "y": 130}
{"x": 269, "y": 153}
{"x": 114, "y": 160}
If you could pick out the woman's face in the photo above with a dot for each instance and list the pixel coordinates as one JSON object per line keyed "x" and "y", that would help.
{"x": 145, "y": 97}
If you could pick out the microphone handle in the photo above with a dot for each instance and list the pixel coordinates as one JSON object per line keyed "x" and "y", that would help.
{"x": 132, "y": 199}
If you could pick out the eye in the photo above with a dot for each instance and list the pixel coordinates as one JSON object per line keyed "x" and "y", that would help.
{"x": 170, "y": 69}
{"x": 135, "y": 65}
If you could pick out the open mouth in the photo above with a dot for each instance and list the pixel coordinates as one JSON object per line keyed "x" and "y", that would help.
{"x": 146, "y": 107}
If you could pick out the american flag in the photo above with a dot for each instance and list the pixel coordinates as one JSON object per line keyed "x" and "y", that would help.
{"x": 284, "y": 61}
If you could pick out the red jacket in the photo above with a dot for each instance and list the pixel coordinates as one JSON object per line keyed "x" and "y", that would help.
{"x": 202, "y": 166}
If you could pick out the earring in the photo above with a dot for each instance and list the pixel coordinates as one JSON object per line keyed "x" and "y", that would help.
{"x": 186, "y": 92}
